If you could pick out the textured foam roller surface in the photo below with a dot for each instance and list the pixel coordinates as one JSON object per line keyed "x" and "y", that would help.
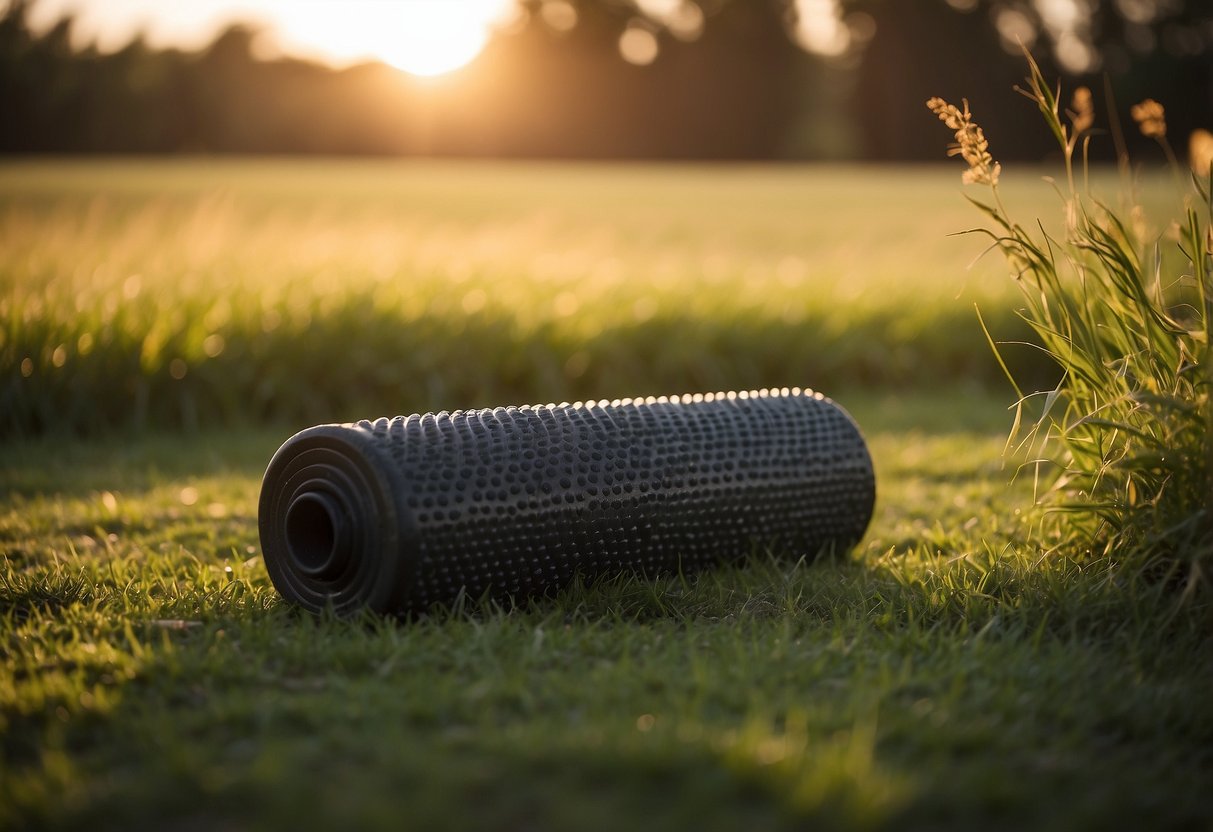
{"x": 403, "y": 514}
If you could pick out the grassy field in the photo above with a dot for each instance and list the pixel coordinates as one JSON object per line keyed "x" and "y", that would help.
{"x": 947, "y": 674}
{"x": 168, "y": 294}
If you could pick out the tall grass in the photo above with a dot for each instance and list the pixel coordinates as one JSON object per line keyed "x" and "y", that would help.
{"x": 179, "y": 293}
{"x": 1126, "y": 313}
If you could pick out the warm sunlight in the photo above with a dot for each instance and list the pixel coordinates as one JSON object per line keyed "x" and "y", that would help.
{"x": 422, "y": 37}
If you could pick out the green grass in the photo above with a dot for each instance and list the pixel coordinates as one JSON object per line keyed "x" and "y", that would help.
{"x": 139, "y": 294}
{"x": 947, "y": 674}
{"x": 1127, "y": 315}
{"x": 942, "y": 676}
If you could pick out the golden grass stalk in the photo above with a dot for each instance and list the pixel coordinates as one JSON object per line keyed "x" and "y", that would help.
{"x": 970, "y": 144}
{"x": 1129, "y": 324}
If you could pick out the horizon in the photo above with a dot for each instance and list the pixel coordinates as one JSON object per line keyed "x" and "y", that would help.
{"x": 421, "y": 37}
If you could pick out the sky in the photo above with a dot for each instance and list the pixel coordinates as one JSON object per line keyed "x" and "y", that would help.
{"x": 426, "y": 37}
{"x": 432, "y": 37}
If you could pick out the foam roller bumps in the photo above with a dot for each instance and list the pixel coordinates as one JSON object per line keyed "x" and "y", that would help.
{"x": 403, "y": 514}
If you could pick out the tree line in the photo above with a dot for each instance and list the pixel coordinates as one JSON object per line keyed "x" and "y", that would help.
{"x": 739, "y": 88}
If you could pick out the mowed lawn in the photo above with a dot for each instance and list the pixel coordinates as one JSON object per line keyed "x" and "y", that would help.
{"x": 167, "y": 324}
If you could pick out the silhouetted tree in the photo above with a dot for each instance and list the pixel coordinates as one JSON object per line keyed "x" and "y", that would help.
{"x": 740, "y": 88}
{"x": 953, "y": 49}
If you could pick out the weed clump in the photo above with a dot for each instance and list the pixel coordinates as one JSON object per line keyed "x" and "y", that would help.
{"x": 1127, "y": 315}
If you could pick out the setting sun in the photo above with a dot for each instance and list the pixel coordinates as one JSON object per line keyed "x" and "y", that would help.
{"x": 421, "y": 37}
{"x": 436, "y": 37}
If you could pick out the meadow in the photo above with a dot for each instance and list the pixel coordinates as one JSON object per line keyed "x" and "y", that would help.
{"x": 166, "y": 324}
{"x": 162, "y": 294}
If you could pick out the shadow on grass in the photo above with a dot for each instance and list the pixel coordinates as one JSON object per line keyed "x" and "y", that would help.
{"x": 133, "y": 464}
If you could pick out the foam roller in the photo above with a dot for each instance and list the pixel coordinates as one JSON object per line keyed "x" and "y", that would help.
{"x": 400, "y": 515}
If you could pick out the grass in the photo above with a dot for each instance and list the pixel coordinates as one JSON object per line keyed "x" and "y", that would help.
{"x": 138, "y": 294}
{"x": 1127, "y": 316}
{"x": 947, "y": 674}
{"x": 943, "y": 676}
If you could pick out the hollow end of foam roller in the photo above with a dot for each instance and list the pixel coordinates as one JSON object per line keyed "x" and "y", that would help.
{"x": 331, "y": 528}
{"x": 317, "y": 534}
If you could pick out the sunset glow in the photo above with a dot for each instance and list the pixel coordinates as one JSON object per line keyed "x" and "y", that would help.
{"x": 422, "y": 37}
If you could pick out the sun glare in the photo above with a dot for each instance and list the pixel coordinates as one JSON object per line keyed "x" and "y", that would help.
{"x": 421, "y": 37}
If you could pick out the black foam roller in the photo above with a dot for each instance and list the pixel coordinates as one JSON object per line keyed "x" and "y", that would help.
{"x": 400, "y": 515}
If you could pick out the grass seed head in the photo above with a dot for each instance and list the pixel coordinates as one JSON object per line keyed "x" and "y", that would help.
{"x": 970, "y": 144}
{"x": 1151, "y": 118}
{"x": 1200, "y": 152}
{"x": 1082, "y": 110}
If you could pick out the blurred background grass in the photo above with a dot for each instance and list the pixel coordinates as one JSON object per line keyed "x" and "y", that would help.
{"x": 190, "y": 293}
